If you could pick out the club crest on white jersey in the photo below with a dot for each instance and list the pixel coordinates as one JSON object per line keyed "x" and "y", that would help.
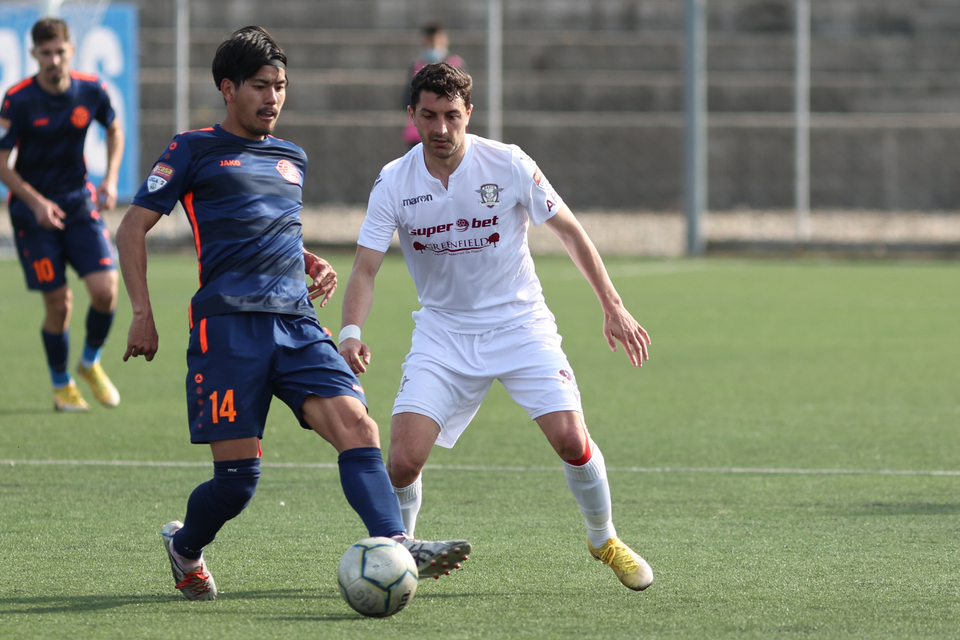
{"x": 490, "y": 195}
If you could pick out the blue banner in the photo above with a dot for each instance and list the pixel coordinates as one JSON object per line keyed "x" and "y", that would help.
{"x": 105, "y": 35}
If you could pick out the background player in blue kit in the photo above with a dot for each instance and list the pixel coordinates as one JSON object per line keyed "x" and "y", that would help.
{"x": 254, "y": 333}
{"x": 54, "y": 209}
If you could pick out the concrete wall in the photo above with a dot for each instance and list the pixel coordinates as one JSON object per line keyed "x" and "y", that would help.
{"x": 593, "y": 92}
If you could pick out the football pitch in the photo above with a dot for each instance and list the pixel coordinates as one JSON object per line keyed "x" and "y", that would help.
{"x": 788, "y": 461}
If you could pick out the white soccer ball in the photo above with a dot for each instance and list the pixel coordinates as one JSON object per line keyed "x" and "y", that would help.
{"x": 377, "y": 577}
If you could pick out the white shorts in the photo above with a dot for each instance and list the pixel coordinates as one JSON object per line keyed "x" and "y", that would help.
{"x": 447, "y": 375}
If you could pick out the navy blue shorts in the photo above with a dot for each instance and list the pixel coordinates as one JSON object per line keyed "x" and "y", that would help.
{"x": 237, "y": 362}
{"x": 83, "y": 243}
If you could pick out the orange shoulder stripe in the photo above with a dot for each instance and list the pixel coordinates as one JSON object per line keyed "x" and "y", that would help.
{"x": 80, "y": 75}
{"x": 20, "y": 85}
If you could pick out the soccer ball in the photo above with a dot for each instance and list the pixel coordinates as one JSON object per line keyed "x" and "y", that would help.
{"x": 377, "y": 577}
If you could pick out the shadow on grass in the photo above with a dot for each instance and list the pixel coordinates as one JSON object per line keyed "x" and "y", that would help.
{"x": 45, "y": 605}
{"x": 80, "y": 604}
{"x": 74, "y": 604}
{"x": 26, "y": 411}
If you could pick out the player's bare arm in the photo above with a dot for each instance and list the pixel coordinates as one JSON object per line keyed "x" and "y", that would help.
{"x": 49, "y": 215}
{"x": 323, "y": 275}
{"x": 357, "y": 302}
{"x": 107, "y": 190}
{"x": 142, "y": 338}
{"x": 618, "y": 324}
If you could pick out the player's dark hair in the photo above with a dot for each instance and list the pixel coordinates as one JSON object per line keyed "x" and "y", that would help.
{"x": 46, "y": 29}
{"x": 443, "y": 79}
{"x": 431, "y": 29}
{"x": 240, "y": 56}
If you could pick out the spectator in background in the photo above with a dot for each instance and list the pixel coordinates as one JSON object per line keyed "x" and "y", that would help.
{"x": 436, "y": 44}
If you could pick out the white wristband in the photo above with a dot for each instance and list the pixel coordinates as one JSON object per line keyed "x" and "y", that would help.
{"x": 349, "y": 331}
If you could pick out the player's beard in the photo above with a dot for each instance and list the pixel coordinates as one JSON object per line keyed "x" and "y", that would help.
{"x": 53, "y": 74}
{"x": 258, "y": 129}
{"x": 444, "y": 152}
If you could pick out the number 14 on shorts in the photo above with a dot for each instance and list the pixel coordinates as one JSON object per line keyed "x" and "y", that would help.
{"x": 222, "y": 409}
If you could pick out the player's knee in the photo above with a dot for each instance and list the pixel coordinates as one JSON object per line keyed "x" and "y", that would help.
{"x": 58, "y": 305}
{"x": 236, "y": 483}
{"x": 103, "y": 297}
{"x": 103, "y": 301}
{"x": 365, "y": 432}
{"x": 570, "y": 447}
{"x": 403, "y": 468}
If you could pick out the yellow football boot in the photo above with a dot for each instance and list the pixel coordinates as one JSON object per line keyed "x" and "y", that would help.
{"x": 633, "y": 571}
{"x": 103, "y": 390}
{"x": 68, "y": 398}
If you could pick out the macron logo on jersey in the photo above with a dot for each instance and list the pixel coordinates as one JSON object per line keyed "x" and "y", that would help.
{"x": 410, "y": 201}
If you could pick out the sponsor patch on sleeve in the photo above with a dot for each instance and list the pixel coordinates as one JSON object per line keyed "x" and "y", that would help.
{"x": 541, "y": 180}
{"x": 159, "y": 177}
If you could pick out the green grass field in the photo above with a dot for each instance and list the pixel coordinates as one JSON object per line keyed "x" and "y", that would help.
{"x": 788, "y": 461}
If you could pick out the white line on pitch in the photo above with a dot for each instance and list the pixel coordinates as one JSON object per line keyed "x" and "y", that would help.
{"x": 444, "y": 467}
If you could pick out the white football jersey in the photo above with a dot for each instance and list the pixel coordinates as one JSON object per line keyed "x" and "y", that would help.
{"x": 466, "y": 245}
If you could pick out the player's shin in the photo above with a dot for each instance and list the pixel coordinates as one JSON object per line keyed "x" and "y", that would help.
{"x": 98, "y": 326}
{"x": 215, "y": 502}
{"x": 367, "y": 488}
{"x": 588, "y": 483}
{"x": 57, "y": 348}
{"x": 411, "y": 499}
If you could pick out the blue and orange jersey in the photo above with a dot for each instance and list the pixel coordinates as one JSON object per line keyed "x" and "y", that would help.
{"x": 243, "y": 199}
{"x": 49, "y": 130}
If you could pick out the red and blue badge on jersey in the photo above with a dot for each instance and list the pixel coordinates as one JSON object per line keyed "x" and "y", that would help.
{"x": 159, "y": 177}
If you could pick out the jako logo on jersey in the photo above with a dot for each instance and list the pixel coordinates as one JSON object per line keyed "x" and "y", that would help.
{"x": 417, "y": 200}
{"x": 159, "y": 177}
{"x": 490, "y": 195}
{"x": 80, "y": 117}
{"x": 230, "y": 163}
{"x": 288, "y": 171}
{"x": 41, "y": 122}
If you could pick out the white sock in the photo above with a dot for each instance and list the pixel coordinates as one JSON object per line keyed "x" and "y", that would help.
{"x": 589, "y": 486}
{"x": 410, "y": 500}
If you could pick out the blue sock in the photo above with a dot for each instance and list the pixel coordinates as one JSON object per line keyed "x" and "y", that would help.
{"x": 98, "y": 326}
{"x": 367, "y": 488}
{"x": 57, "y": 346}
{"x": 215, "y": 502}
